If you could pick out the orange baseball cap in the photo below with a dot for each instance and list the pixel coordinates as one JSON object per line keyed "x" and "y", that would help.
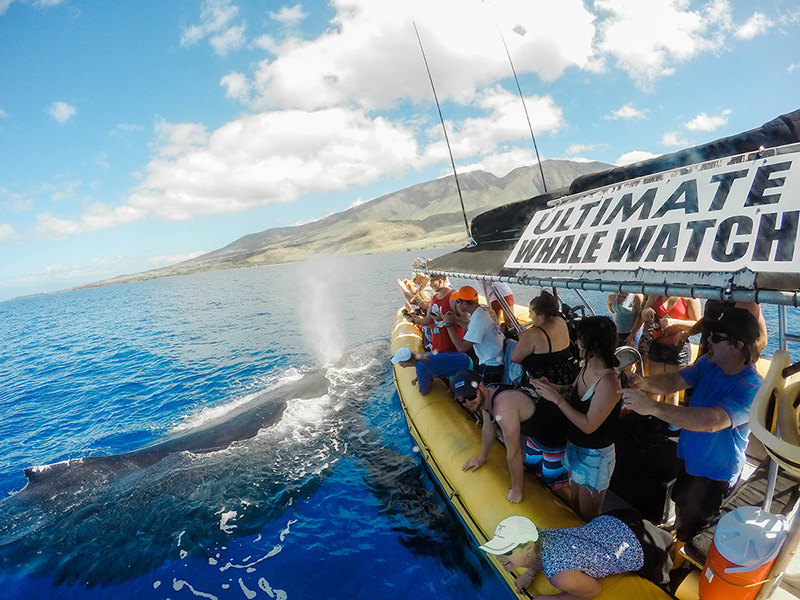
{"x": 467, "y": 293}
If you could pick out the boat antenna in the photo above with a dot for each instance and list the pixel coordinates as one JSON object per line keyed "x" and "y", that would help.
{"x": 471, "y": 241}
{"x": 524, "y": 106}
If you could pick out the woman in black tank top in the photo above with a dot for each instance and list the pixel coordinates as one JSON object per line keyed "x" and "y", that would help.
{"x": 592, "y": 407}
{"x": 535, "y": 351}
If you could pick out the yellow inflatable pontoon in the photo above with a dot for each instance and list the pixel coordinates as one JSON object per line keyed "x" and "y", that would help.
{"x": 447, "y": 437}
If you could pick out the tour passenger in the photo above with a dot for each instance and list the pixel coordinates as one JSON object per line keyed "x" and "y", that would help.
{"x": 545, "y": 350}
{"x": 492, "y": 291}
{"x": 574, "y": 558}
{"x": 482, "y": 334}
{"x": 512, "y": 411}
{"x": 715, "y": 425}
{"x": 417, "y": 291}
{"x": 669, "y": 315}
{"x": 442, "y": 302}
{"x": 626, "y": 309}
{"x": 430, "y": 365}
{"x": 592, "y": 408}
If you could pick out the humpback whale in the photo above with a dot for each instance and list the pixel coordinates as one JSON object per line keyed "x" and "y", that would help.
{"x": 100, "y": 519}
{"x": 239, "y": 424}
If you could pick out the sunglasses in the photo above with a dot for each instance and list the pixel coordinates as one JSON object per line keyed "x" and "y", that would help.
{"x": 464, "y": 399}
{"x": 717, "y": 338}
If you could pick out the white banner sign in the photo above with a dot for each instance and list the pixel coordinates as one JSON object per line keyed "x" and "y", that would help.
{"x": 722, "y": 215}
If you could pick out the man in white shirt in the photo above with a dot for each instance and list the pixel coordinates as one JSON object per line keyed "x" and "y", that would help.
{"x": 482, "y": 333}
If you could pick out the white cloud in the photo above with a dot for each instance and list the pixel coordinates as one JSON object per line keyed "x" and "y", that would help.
{"x": 162, "y": 260}
{"x": 674, "y": 138}
{"x": 7, "y": 233}
{"x": 504, "y": 120}
{"x": 61, "y": 112}
{"x": 173, "y": 140}
{"x": 575, "y": 149}
{"x": 648, "y": 38}
{"x": 289, "y": 15}
{"x": 67, "y": 190}
{"x": 792, "y": 67}
{"x": 230, "y": 39}
{"x": 215, "y": 19}
{"x": 269, "y": 157}
{"x": 3, "y": 114}
{"x": 704, "y": 122}
{"x": 122, "y": 129}
{"x": 502, "y": 163}
{"x": 4, "y": 4}
{"x": 96, "y": 217}
{"x": 237, "y": 87}
{"x": 757, "y": 24}
{"x": 634, "y": 157}
{"x": 627, "y": 112}
{"x": 464, "y": 50}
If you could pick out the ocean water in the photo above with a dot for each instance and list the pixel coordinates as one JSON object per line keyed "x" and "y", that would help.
{"x": 326, "y": 496}
{"x": 328, "y": 500}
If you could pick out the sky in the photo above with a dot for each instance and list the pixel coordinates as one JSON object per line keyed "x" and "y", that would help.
{"x": 134, "y": 135}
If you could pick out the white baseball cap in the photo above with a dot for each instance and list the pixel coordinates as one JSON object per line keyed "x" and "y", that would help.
{"x": 510, "y": 533}
{"x": 402, "y": 355}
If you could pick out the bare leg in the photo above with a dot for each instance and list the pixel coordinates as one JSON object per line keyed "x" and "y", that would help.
{"x": 587, "y": 503}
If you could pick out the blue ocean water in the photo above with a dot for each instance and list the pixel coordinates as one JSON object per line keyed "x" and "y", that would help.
{"x": 328, "y": 500}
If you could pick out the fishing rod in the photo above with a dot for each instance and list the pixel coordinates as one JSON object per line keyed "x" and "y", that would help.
{"x": 471, "y": 241}
{"x": 525, "y": 107}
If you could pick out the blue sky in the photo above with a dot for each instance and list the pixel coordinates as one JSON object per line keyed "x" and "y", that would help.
{"x": 134, "y": 135}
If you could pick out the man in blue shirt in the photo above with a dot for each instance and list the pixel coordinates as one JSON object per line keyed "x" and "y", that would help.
{"x": 715, "y": 424}
{"x": 431, "y": 364}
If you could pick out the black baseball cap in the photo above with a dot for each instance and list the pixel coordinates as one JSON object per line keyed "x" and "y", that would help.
{"x": 736, "y": 323}
{"x": 465, "y": 384}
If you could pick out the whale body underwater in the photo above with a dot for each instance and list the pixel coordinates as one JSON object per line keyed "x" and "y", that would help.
{"x": 241, "y": 423}
{"x": 100, "y": 519}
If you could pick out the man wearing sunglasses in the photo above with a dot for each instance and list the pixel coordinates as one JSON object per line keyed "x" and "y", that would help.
{"x": 514, "y": 412}
{"x": 715, "y": 424}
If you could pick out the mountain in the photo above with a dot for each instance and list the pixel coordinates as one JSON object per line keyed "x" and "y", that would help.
{"x": 426, "y": 215}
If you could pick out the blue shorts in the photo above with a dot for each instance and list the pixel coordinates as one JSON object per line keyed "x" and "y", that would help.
{"x": 590, "y": 467}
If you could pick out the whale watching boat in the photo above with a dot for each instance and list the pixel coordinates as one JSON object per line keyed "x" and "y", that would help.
{"x": 716, "y": 221}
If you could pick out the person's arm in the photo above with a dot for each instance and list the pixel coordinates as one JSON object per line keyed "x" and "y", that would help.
{"x": 507, "y": 416}
{"x": 550, "y": 391}
{"x": 661, "y": 384}
{"x": 610, "y": 303}
{"x": 460, "y": 343}
{"x": 488, "y": 435}
{"x": 648, "y": 312}
{"x": 576, "y": 585}
{"x": 405, "y": 288}
{"x": 690, "y": 418}
{"x": 427, "y": 320}
{"x": 525, "y": 346}
{"x": 755, "y": 310}
{"x": 604, "y": 399}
